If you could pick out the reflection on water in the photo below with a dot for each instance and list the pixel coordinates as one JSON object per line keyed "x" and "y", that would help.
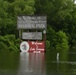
{"x": 9, "y": 63}
{"x": 62, "y": 63}
{"x": 32, "y": 64}
{"x": 22, "y": 64}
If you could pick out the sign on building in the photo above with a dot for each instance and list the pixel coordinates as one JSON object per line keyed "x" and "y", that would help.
{"x": 32, "y": 35}
{"x": 31, "y": 22}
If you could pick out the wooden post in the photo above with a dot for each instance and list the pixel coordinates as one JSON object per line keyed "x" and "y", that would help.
{"x": 20, "y": 34}
{"x": 45, "y": 41}
{"x": 44, "y": 32}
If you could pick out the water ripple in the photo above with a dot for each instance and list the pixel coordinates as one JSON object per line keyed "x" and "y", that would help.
{"x": 64, "y": 62}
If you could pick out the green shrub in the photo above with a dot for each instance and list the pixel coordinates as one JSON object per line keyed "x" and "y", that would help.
{"x": 17, "y": 43}
{"x": 13, "y": 48}
{"x": 62, "y": 41}
{"x": 9, "y": 43}
{"x": 3, "y": 47}
{"x": 47, "y": 44}
{"x": 2, "y": 38}
{"x": 10, "y": 37}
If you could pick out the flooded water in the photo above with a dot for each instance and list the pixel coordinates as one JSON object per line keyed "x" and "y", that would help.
{"x": 63, "y": 63}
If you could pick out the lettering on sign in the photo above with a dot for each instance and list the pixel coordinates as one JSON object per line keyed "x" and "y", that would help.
{"x": 32, "y": 35}
{"x": 31, "y": 22}
{"x": 32, "y": 46}
{"x": 36, "y": 46}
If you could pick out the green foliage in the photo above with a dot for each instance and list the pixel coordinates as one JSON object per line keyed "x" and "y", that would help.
{"x": 47, "y": 44}
{"x": 24, "y": 7}
{"x": 9, "y": 43}
{"x": 10, "y": 37}
{"x": 51, "y": 36}
{"x": 62, "y": 41}
{"x": 12, "y": 47}
{"x": 61, "y": 19}
{"x": 17, "y": 43}
{"x": 3, "y": 47}
{"x": 6, "y": 41}
{"x": 61, "y": 15}
{"x": 9, "y": 10}
{"x": 58, "y": 40}
{"x": 57, "y": 12}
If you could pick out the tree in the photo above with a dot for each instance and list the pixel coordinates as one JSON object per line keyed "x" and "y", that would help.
{"x": 9, "y": 10}
{"x": 71, "y": 26}
{"x": 58, "y": 40}
{"x": 51, "y": 36}
{"x": 57, "y": 12}
{"x": 62, "y": 41}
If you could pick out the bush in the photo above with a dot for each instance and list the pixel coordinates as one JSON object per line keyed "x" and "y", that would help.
{"x": 10, "y": 37}
{"x": 3, "y": 47}
{"x": 47, "y": 44}
{"x": 17, "y": 43}
{"x": 62, "y": 41}
{"x": 9, "y": 43}
{"x": 13, "y": 48}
